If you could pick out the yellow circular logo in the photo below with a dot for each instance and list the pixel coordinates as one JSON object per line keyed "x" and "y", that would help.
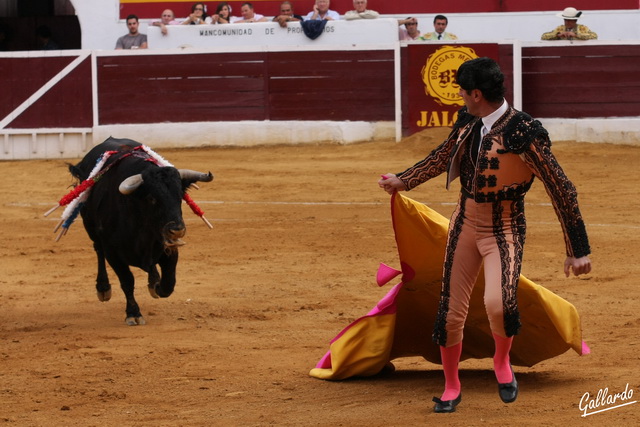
{"x": 439, "y": 73}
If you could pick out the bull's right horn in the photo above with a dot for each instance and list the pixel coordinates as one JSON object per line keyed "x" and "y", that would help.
{"x": 195, "y": 175}
{"x": 130, "y": 184}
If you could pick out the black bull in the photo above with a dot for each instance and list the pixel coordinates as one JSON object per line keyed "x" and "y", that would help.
{"x": 133, "y": 215}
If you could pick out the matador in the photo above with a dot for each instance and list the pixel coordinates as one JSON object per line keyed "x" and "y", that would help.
{"x": 497, "y": 152}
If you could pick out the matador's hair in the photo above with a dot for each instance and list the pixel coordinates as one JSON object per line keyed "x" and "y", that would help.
{"x": 483, "y": 74}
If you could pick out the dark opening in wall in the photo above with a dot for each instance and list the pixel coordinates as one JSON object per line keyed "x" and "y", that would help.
{"x": 39, "y": 25}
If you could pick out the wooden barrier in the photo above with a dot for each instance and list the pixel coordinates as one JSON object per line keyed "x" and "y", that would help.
{"x": 46, "y": 91}
{"x": 301, "y": 85}
{"x": 289, "y": 96}
{"x": 581, "y": 80}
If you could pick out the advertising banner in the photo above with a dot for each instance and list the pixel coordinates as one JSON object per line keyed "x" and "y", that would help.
{"x": 433, "y": 93}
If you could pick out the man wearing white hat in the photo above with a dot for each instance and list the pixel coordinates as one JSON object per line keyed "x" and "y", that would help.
{"x": 570, "y": 30}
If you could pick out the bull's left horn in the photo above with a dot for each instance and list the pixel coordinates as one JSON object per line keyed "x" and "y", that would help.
{"x": 130, "y": 184}
{"x": 195, "y": 175}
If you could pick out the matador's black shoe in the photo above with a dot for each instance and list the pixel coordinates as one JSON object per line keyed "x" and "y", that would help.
{"x": 445, "y": 406}
{"x": 509, "y": 391}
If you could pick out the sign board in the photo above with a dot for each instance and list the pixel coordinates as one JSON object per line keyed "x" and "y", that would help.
{"x": 433, "y": 93}
{"x": 374, "y": 32}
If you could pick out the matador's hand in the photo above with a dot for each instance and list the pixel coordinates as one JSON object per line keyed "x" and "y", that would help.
{"x": 391, "y": 183}
{"x": 579, "y": 266}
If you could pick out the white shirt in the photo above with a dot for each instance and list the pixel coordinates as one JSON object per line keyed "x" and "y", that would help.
{"x": 256, "y": 17}
{"x": 367, "y": 14}
{"x": 490, "y": 120}
{"x": 330, "y": 13}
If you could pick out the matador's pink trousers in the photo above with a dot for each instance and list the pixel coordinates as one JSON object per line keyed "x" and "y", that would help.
{"x": 489, "y": 232}
{"x": 492, "y": 232}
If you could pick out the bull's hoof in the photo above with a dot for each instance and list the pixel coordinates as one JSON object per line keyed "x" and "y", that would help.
{"x": 152, "y": 291}
{"x": 104, "y": 296}
{"x": 134, "y": 321}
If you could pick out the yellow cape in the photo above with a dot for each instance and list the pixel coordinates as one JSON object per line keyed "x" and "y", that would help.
{"x": 401, "y": 323}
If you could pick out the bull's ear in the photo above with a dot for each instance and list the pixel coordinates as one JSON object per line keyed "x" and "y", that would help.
{"x": 130, "y": 184}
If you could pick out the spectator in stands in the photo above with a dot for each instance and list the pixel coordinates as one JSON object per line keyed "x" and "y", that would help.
{"x": 248, "y": 15}
{"x": 286, "y": 14}
{"x": 361, "y": 11}
{"x": 321, "y": 11}
{"x": 45, "y": 42}
{"x": 570, "y": 30}
{"x": 440, "y": 23}
{"x": 410, "y": 30}
{"x": 223, "y": 14}
{"x": 167, "y": 18}
{"x": 198, "y": 15}
{"x": 133, "y": 40}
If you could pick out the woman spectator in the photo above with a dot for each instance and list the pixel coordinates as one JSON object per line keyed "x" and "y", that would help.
{"x": 223, "y": 14}
{"x": 198, "y": 15}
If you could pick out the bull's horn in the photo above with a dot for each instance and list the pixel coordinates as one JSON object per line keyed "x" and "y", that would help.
{"x": 195, "y": 175}
{"x": 130, "y": 184}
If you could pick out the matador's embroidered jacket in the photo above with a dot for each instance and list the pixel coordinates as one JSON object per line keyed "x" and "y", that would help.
{"x": 515, "y": 151}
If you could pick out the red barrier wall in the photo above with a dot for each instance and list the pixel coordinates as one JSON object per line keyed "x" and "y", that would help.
{"x": 327, "y": 85}
{"x": 581, "y": 81}
{"x": 181, "y": 88}
{"x": 311, "y": 85}
{"x": 21, "y": 77}
{"x": 578, "y": 81}
{"x": 67, "y": 104}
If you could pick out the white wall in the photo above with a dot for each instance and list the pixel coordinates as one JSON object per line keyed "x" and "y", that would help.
{"x": 250, "y": 133}
{"x": 101, "y": 26}
{"x": 99, "y": 23}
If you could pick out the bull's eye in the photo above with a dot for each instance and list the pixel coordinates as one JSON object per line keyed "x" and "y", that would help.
{"x": 151, "y": 200}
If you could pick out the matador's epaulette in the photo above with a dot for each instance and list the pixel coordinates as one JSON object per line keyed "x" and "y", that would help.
{"x": 521, "y": 131}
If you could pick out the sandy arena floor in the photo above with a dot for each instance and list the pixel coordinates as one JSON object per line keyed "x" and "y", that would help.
{"x": 298, "y": 236}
